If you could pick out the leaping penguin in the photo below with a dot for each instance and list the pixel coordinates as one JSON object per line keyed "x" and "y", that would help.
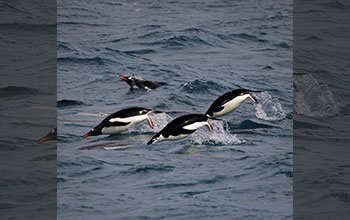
{"x": 181, "y": 127}
{"x": 121, "y": 121}
{"x": 52, "y": 135}
{"x": 229, "y": 101}
{"x": 142, "y": 84}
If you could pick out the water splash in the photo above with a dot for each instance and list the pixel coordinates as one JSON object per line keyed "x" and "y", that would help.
{"x": 268, "y": 108}
{"x": 220, "y": 135}
{"x": 312, "y": 98}
{"x": 159, "y": 121}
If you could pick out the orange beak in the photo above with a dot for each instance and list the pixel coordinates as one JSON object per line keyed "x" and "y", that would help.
{"x": 150, "y": 121}
{"x": 87, "y": 135}
{"x": 124, "y": 78}
{"x": 43, "y": 139}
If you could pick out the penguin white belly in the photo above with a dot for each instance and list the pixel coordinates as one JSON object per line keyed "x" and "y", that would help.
{"x": 117, "y": 129}
{"x": 137, "y": 118}
{"x": 195, "y": 125}
{"x": 231, "y": 105}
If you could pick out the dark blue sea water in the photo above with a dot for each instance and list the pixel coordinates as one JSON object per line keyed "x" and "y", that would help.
{"x": 27, "y": 109}
{"x": 200, "y": 50}
{"x": 321, "y": 109}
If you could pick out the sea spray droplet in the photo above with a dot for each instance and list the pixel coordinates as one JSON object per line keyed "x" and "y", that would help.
{"x": 220, "y": 135}
{"x": 311, "y": 98}
{"x": 268, "y": 108}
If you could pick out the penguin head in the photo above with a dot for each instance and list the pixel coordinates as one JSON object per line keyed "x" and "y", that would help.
{"x": 129, "y": 80}
{"x": 93, "y": 132}
{"x": 52, "y": 135}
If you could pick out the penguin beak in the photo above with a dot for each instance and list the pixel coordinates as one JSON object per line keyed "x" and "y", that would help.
{"x": 253, "y": 99}
{"x": 87, "y": 135}
{"x": 124, "y": 78}
{"x": 210, "y": 127}
{"x": 44, "y": 139}
{"x": 150, "y": 121}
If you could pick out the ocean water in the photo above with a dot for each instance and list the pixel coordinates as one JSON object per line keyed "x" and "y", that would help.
{"x": 27, "y": 109}
{"x": 321, "y": 110}
{"x": 199, "y": 50}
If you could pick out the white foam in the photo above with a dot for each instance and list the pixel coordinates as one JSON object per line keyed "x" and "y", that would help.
{"x": 312, "y": 98}
{"x": 268, "y": 108}
{"x": 220, "y": 135}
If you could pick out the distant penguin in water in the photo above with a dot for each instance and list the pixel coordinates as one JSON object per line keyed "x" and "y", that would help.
{"x": 229, "y": 101}
{"x": 145, "y": 85}
{"x": 52, "y": 135}
{"x": 181, "y": 127}
{"x": 121, "y": 121}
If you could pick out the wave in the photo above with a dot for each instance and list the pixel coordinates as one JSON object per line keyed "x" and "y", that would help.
{"x": 17, "y": 90}
{"x": 64, "y": 46}
{"x": 80, "y": 23}
{"x": 139, "y": 51}
{"x": 182, "y": 40}
{"x": 175, "y": 42}
{"x": 249, "y": 124}
{"x": 198, "y": 86}
{"x": 67, "y": 103}
{"x": 159, "y": 168}
{"x": 283, "y": 45}
{"x": 242, "y": 36}
{"x": 92, "y": 61}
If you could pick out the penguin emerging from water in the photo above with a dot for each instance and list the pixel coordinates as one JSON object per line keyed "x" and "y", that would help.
{"x": 145, "y": 85}
{"x": 121, "y": 121}
{"x": 229, "y": 101}
{"x": 181, "y": 127}
{"x": 52, "y": 135}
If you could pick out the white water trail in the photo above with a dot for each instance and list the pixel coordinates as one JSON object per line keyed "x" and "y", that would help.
{"x": 268, "y": 108}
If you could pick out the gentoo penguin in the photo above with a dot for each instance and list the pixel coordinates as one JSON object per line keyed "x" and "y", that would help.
{"x": 121, "y": 120}
{"x": 52, "y": 135}
{"x": 142, "y": 84}
{"x": 229, "y": 101}
{"x": 181, "y": 127}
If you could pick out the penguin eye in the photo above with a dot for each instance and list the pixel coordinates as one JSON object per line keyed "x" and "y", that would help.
{"x": 92, "y": 129}
{"x": 143, "y": 112}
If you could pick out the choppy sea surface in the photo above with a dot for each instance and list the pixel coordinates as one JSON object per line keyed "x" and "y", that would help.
{"x": 321, "y": 109}
{"x": 27, "y": 109}
{"x": 200, "y": 50}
